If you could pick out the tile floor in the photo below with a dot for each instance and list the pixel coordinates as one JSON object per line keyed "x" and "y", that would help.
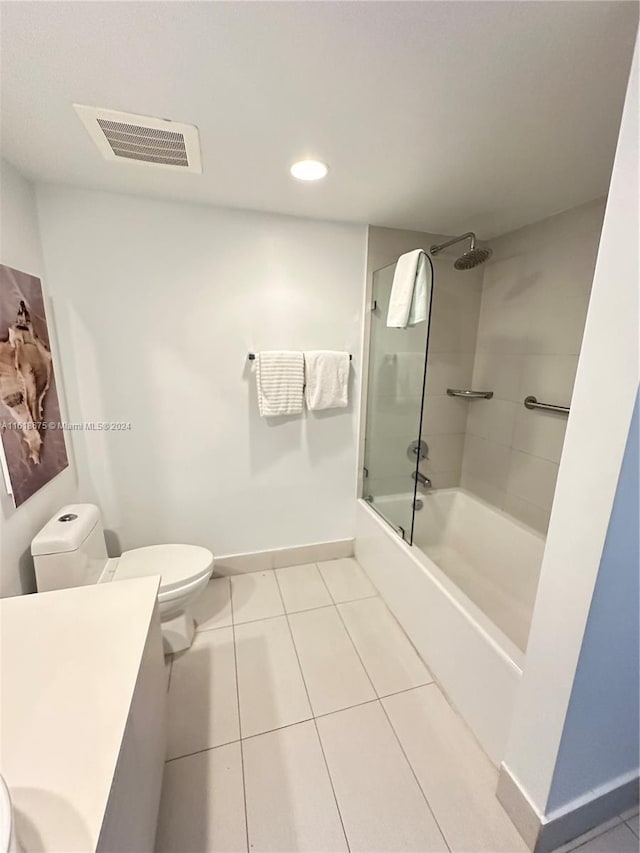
{"x": 302, "y": 719}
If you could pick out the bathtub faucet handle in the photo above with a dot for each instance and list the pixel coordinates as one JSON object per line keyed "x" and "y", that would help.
{"x": 421, "y": 478}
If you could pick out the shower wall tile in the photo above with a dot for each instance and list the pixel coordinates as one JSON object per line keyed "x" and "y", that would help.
{"x": 535, "y": 296}
{"x": 443, "y": 480}
{"x": 444, "y": 415}
{"x": 448, "y": 370}
{"x": 531, "y": 478}
{"x": 528, "y": 513}
{"x": 394, "y": 417}
{"x": 454, "y": 318}
{"x": 541, "y": 436}
{"x": 492, "y": 419}
{"x": 493, "y": 372}
{"x": 487, "y": 461}
{"x": 550, "y": 378}
{"x": 391, "y": 455}
{"x": 482, "y": 488}
{"x": 397, "y": 485}
{"x": 445, "y": 453}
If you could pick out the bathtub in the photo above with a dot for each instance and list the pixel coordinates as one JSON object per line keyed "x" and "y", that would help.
{"x": 463, "y": 592}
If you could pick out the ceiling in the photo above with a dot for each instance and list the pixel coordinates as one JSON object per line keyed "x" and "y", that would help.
{"x": 437, "y": 116}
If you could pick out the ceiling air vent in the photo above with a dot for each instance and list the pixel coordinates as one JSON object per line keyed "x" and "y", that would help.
{"x": 142, "y": 140}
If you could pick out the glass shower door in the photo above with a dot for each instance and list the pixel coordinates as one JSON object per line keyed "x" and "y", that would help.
{"x": 394, "y": 411}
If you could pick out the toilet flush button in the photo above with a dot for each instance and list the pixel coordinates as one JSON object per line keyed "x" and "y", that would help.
{"x": 68, "y": 516}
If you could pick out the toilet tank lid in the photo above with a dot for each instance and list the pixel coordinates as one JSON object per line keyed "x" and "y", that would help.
{"x": 66, "y": 530}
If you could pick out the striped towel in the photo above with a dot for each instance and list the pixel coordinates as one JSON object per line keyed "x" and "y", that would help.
{"x": 280, "y": 381}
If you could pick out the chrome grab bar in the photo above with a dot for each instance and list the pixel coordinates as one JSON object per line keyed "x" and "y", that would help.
{"x": 530, "y": 402}
{"x": 463, "y": 392}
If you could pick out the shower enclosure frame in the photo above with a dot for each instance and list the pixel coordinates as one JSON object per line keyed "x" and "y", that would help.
{"x": 399, "y": 529}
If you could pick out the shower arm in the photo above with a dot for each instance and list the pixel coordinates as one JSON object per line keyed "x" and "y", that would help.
{"x": 469, "y": 235}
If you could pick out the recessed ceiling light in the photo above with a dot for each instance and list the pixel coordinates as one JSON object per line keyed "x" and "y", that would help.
{"x": 309, "y": 170}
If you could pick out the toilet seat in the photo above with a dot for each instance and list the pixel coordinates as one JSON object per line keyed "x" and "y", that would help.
{"x": 179, "y": 566}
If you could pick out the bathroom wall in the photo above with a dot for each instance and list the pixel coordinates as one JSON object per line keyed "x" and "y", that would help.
{"x": 20, "y": 247}
{"x": 583, "y": 641}
{"x": 393, "y": 412}
{"x": 535, "y": 295}
{"x": 158, "y": 305}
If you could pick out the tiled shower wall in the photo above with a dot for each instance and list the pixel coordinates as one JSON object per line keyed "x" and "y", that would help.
{"x": 513, "y": 326}
{"x": 535, "y": 295}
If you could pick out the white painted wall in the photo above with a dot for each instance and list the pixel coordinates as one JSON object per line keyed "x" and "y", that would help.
{"x": 20, "y": 248}
{"x": 158, "y": 305}
{"x": 597, "y": 431}
{"x": 535, "y": 294}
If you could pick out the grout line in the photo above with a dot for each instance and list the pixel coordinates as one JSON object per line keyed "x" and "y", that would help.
{"x": 198, "y": 751}
{"x": 213, "y": 628}
{"x": 355, "y": 648}
{"x": 632, "y": 828}
{"x": 415, "y": 776}
{"x": 305, "y": 720}
{"x": 235, "y": 661}
{"x": 375, "y": 699}
{"x": 315, "y": 723}
{"x": 285, "y": 613}
{"x": 592, "y": 837}
{"x": 406, "y": 757}
{"x": 376, "y": 594}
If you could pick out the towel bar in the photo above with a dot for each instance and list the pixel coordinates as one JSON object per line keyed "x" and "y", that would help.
{"x": 531, "y": 403}
{"x": 252, "y": 356}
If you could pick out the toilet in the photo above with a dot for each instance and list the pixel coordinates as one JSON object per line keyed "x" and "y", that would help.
{"x": 70, "y": 551}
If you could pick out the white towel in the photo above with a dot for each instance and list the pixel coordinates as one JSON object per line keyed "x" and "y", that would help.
{"x": 280, "y": 383}
{"x": 411, "y": 290}
{"x": 327, "y": 378}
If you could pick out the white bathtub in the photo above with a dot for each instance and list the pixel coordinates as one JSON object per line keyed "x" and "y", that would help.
{"x": 463, "y": 592}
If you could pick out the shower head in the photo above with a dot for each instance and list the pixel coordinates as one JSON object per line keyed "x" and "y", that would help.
{"x": 469, "y": 259}
{"x": 472, "y": 258}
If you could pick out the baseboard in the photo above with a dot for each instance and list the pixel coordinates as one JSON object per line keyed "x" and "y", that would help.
{"x": 261, "y": 561}
{"x": 543, "y": 834}
{"x": 520, "y": 809}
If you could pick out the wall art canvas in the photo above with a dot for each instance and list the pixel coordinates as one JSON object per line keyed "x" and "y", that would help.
{"x": 30, "y": 423}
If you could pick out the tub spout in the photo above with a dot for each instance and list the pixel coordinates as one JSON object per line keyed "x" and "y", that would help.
{"x": 421, "y": 478}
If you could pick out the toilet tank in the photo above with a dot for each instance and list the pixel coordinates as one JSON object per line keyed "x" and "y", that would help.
{"x": 70, "y": 549}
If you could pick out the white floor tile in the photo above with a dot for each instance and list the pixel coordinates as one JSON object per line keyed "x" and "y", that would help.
{"x": 633, "y": 822}
{"x": 346, "y": 580}
{"x": 203, "y": 705}
{"x": 202, "y": 807}
{"x": 302, "y": 588}
{"x": 387, "y": 654}
{"x": 334, "y": 676}
{"x": 255, "y": 596}
{"x": 290, "y": 802}
{"x": 380, "y": 801}
{"x": 630, "y": 813}
{"x": 213, "y": 608}
{"x": 587, "y": 836}
{"x": 456, "y": 776}
{"x": 619, "y": 839}
{"x": 270, "y": 686}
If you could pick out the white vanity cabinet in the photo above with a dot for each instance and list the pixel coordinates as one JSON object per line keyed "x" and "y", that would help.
{"x": 83, "y": 716}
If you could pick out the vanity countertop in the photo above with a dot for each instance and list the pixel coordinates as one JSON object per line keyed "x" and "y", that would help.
{"x": 69, "y": 662}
